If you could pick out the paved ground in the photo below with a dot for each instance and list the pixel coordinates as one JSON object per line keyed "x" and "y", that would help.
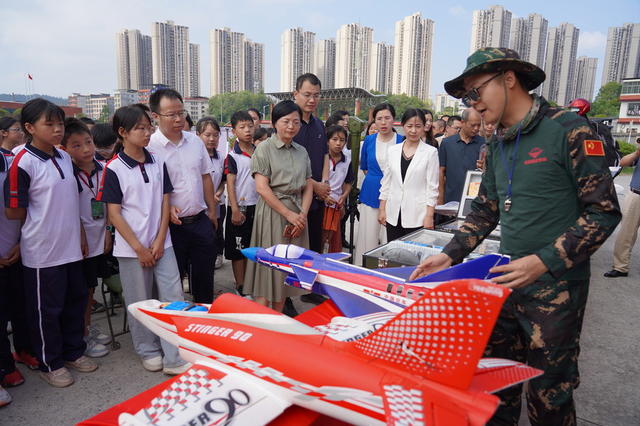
{"x": 608, "y": 394}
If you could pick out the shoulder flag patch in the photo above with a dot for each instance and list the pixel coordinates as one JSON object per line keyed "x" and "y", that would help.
{"x": 593, "y": 147}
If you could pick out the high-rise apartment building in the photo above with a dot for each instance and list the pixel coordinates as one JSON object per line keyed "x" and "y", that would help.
{"x": 170, "y": 56}
{"x": 490, "y": 28}
{"x": 560, "y": 64}
{"x": 253, "y": 66}
{"x": 412, "y": 56}
{"x": 585, "y": 77}
{"x": 529, "y": 39}
{"x": 353, "y": 46}
{"x": 133, "y": 58}
{"x": 444, "y": 101}
{"x": 325, "y": 62}
{"x": 381, "y": 71}
{"x": 236, "y": 63}
{"x": 296, "y": 56}
{"x": 194, "y": 70}
{"x": 622, "y": 55}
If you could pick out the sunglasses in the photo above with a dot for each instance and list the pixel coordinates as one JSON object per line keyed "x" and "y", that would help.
{"x": 473, "y": 95}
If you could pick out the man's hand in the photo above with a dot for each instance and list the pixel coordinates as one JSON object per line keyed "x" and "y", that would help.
{"x": 322, "y": 190}
{"x": 237, "y": 218}
{"x": 84, "y": 245}
{"x": 520, "y": 272}
{"x": 430, "y": 265}
{"x": 174, "y": 215}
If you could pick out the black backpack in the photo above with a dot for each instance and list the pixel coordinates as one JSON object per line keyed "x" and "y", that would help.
{"x": 611, "y": 147}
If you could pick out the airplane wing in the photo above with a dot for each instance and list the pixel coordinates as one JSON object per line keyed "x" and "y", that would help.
{"x": 306, "y": 277}
{"x": 202, "y": 394}
{"x": 476, "y": 268}
{"x": 336, "y": 256}
{"x": 495, "y": 374}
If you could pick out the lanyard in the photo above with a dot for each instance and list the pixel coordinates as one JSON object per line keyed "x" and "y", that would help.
{"x": 88, "y": 182}
{"x": 509, "y": 170}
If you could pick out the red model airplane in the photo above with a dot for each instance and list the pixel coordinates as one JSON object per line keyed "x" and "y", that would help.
{"x": 423, "y": 366}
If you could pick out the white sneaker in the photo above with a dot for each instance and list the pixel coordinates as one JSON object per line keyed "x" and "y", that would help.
{"x": 97, "y": 335}
{"x": 95, "y": 349}
{"x": 174, "y": 371}
{"x": 5, "y": 398}
{"x": 152, "y": 364}
{"x": 219, "y": 262}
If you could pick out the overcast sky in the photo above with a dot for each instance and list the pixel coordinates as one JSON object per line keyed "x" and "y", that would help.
{"x": 69, "y": 45}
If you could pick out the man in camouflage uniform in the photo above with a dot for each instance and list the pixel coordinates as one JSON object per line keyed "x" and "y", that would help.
{"x": 547, "y": 183}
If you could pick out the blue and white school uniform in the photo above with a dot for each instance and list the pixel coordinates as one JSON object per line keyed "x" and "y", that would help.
{"x": 139, "y": 188}
{"x": 238, "y": 237}
{"x": 12, "y": 306}
{"x": 55, "y": 292}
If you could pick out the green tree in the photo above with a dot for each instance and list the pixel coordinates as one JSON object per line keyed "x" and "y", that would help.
{"x": 224, "y": 105}
{"x": 104, "y": 115}
{"x": 401, "y": 103}
{"x": 607, "y": 103}
{"x": 4, "y": 112}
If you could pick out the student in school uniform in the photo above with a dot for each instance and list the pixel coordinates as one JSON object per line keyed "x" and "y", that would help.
{"x": 260, "y": 135}
{"x": 11, "y": 135}
{"x": 136, "y": 186}
{"x": 78, "y": 143}
{"x": 104, "y": 140}
{"x": 243, "y": 197}
{"x": 193, "y": 205}
{"x": 338, "y": 172}
{"x": 42, "y": 191}
{"x": 10, "y": 281}
{"x": 208, "y": 129}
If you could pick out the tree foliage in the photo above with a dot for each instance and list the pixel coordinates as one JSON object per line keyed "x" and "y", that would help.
{"x": 401, "y": 103}
{"x": 607, "y": 103}
{"x": 104, "y": 115}
{"x": 224, "y": 105}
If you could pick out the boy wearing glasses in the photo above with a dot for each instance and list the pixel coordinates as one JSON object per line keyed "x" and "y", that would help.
{"x": 547, "y": 183}
{"x": 193, "y": 205}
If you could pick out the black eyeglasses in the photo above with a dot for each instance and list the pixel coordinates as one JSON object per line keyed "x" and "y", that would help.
{"x": 473, "y": 95}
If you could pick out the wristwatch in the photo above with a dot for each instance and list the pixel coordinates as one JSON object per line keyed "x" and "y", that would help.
{"x": 110, "y": 228}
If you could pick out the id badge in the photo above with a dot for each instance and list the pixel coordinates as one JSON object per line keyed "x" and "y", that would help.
{"x": 97, "y": 209}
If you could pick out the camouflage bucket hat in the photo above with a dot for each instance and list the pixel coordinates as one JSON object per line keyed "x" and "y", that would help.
{"x": 495, "y": 59}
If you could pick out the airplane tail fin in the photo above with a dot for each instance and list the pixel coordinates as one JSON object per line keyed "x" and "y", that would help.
{"x": 442, "y": 335}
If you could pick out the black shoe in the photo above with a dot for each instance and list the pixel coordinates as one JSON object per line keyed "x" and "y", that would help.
{"x": 288, "y": 309}
{"x": 316, "y": 299}
{"x": 346, "y": 244}
{"x": 614, "y": 273}
{"x": 97, "y": 307}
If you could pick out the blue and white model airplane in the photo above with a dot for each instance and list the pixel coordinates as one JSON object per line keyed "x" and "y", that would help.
{"x": 358, "y": 291}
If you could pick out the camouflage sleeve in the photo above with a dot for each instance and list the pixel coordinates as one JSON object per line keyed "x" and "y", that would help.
{"x": 482, "y": 219}
{"x": 597, "y": 196}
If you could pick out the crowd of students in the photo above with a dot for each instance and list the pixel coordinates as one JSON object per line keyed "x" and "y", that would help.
{"x": 167, "y": 203}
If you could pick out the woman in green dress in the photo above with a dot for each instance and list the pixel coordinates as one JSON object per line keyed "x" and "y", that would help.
{"x": 282, "y": 171}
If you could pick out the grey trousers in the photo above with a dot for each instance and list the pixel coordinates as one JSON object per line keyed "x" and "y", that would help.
{"x": 137, "y": 285}
{"x": 627, "y": 232}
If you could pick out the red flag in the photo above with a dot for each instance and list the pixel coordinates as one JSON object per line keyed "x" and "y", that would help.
{"x": 594, "y": 148}
{"x": 29, "y": 76}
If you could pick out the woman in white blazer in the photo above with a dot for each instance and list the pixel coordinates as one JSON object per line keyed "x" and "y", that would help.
{"x": 410, "y": 181}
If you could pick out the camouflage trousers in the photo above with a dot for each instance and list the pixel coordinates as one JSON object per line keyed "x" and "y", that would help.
{"x": 540, "y": 325}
